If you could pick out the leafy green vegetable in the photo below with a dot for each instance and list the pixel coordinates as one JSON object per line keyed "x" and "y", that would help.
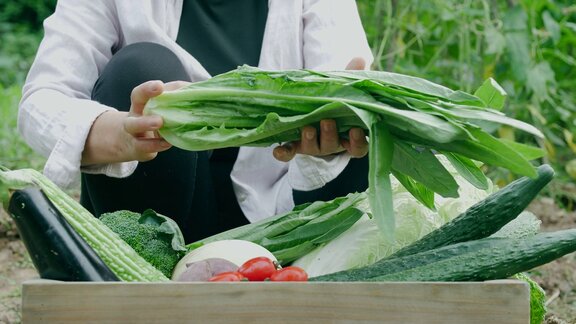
{"x": 407, "y": 161}
{"x": 407, "y": 118}
{"x": 380, "y": 187}
{"x": 293, "y": 234}
{"x": 537, "y": 299}
{"x": 468, "y": 170}
{"x": 155, "y": 237}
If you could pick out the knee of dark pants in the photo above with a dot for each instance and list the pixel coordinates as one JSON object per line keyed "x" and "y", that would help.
{"x": 133, "y": 65}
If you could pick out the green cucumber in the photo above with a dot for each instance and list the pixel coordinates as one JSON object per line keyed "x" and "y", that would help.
{"x": 485, "y": 217}
{"x": 388, "y": 266}
{"x": 478, "y": 260}
{"x": 504, "y": 258}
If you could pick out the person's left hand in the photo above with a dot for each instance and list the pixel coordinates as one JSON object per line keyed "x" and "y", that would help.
{"x": 327, "y": 142}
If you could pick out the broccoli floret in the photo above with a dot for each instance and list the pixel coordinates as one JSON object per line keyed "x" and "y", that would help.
{"x": 147, "y": 238}
{"x": 163, "y": 256}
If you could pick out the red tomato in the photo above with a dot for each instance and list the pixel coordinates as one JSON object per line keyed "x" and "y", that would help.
{"x": 227, "y": 276}
{"x": 257, "y": 269}
{"x": 291, "y": 273}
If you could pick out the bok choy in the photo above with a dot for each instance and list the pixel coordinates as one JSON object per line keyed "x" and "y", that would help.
{"x": 408, "y": 121}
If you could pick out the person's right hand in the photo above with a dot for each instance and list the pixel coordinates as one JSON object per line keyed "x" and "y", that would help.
{"x": 119, "y": 136}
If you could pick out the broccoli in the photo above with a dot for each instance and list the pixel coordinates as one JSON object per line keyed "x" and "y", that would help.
{"x": 154, "y": 237}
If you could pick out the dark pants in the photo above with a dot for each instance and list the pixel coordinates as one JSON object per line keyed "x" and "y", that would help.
{"x": 190, "y": 187}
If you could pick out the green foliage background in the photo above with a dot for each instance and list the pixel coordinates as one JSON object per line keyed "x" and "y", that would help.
{"x": 20, "y": 34}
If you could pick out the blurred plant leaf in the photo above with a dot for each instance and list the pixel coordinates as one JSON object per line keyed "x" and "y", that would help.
{"x": 492, "y": 94}
{"x": 541, "y": 80}
{"x": 569, "y": 136}
{"x": 517, "y": 41}
{"x": 495, "y": 41}
{"x": 552, "y": 26}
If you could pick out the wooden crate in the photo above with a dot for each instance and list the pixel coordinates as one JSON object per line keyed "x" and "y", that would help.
{"x": 502, "y": 301}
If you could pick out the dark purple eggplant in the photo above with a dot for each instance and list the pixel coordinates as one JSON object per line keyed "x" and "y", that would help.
{"x": 56, "y": 249}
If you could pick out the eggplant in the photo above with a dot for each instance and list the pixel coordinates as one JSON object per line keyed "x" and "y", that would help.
{"x": 56, "y": 249}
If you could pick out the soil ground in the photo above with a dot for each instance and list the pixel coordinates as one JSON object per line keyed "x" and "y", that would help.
{"x": 557, "y": 278}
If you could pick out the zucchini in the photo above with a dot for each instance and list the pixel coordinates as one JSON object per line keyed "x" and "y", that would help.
{"x": 485, "y": 217}
{"x": 56, "y": 249}
{"x": 479, "y": 260}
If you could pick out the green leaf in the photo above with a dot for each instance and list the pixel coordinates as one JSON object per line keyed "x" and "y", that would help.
{"x": 537, "y": 299}
{"x": 165, "y": 225}
{"x": 518, "y": 42}
{"x": 541, "y": 80}
{"x": 495, "y": 41}
{"x": 281, "y": 224}
{"x": 455, "y": 114}
{"x": 528, "y": 152}
{"x": 492, "y": 151}
{"x": 410, "y": 83}
{"x": 492, "y": 94}
{"x": 571, "y": 26}
{"x": 292, "y": 253}
{"x": 317, "y": 212}
{"x": 381, "y": 149}
{"x": 324, "y": 226}
{"x": 552, "y": 26}
{"x": 291, "y": 221}
{"x": 350, "y": 217}
{"x": 272, "y": 129}
{"x": 418, "y": 190}
{"x": 379, "y": 185}
{"x": 424, "y": 167}
{"x": 468, "y": 170}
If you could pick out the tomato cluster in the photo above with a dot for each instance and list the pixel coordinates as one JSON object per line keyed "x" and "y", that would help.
{"x": 262, "y": 269}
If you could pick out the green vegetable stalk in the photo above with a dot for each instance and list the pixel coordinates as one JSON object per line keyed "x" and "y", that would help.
{"x": 408, "y": 120}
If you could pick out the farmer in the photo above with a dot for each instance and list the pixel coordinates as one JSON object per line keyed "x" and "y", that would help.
{"x": 99, "y": 63}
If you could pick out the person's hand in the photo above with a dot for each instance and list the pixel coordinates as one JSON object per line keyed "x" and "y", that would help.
{"x": 119, "y": 136}
{"x": 327, "y": 142}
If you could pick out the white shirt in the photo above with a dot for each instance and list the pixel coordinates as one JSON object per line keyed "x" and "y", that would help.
{"x": 56, "y": 112}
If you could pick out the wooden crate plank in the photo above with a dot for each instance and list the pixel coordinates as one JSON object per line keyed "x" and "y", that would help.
{"x": 268, "y": 302}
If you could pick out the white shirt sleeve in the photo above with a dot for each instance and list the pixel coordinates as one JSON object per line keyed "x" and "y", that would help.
{"x": 56, "y": 112}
